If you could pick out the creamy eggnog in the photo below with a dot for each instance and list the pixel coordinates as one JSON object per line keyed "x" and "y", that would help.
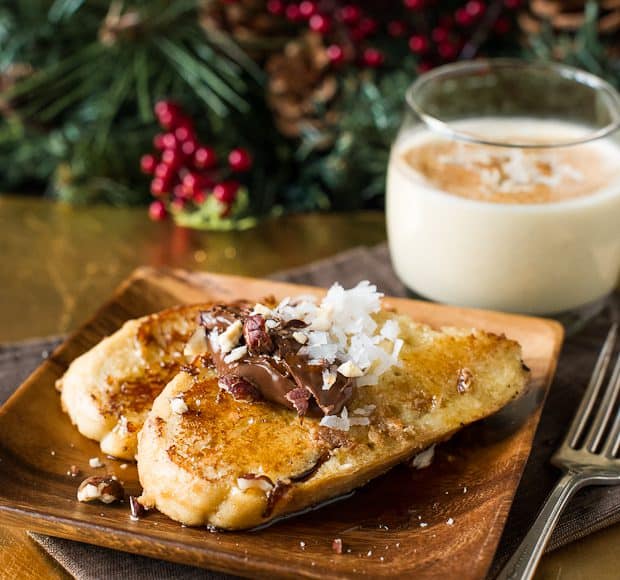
{"x": 524, "y": 229}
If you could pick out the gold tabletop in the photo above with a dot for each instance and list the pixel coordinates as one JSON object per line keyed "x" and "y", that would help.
{"x": 58, "y": 263}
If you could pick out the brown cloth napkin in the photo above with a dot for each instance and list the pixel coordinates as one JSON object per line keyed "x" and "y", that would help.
{"x": 592, "y": 509}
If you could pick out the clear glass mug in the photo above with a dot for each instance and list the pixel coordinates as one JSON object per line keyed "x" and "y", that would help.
{"x": 503, "y": 188}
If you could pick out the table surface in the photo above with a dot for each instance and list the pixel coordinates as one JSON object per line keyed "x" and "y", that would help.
{"x": 59, "y": 263}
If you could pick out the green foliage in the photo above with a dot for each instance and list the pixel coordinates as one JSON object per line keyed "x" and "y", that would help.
{"x": 89, "y": 100}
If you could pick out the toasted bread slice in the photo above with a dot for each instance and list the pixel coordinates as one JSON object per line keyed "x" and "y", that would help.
{"x": 108, "y": 391}
{"x": 242, "y": 464}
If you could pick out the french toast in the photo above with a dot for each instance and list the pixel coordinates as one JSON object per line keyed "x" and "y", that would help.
{"x": 108, "y": 391}
{"x": 240, "y": 464}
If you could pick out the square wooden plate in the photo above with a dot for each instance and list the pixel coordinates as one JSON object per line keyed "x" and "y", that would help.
{"x": 396, "y": 526}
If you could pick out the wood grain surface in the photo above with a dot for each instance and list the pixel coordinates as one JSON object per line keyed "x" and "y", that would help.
{"x": 472, "y": 480}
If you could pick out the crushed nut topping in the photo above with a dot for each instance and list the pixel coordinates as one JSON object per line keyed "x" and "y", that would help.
{"x": 74, "y": 471}
{"x": 241, "y": 389}
{"x": 136, "y": 508}
{"x": 337, "y": 545}
{"x": 103, "y": 489}
{"x": 95, "y": 462}
{"x": 256, "y": 337}
{"x": 464, "y": 380}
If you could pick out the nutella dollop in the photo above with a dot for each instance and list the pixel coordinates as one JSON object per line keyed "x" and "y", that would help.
{"x": 267, "y": 363}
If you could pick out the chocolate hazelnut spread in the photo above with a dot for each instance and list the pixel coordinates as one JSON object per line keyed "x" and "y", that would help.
{"x": 272, "y": 365}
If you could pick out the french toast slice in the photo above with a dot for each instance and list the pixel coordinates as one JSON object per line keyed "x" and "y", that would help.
{"x": 239, "y": 464}
{"x": 108, "y": 391}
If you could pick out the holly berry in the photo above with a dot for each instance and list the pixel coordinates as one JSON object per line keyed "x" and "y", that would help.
{"x": 349, "y": 14}
{"x": 158, "y": 142}
{"x": 307, "y": 8}
{"x": 502, "y": 25}
{"x": 158, "y": 187}
{"x": 172, "y": 157}
{"x": 475, "y": 8}
{"x": 448, "y": 50}
{"x": 373, "y": 57}
{"x": 192, "y": 183}
{"x": 168, "y": 114}
{"x": 177, "y": 204}
{"x": 440, "y": 34}
{"x": 335, "y": 53}
{"x": 148, "y": 163}
{"x": 239, "y": 160}
{"x": 178, "y": 191}
{"x": 188, "y": 148}
{"x": 276, "y": 7}
{"x": 320, "y": 23}
{"x": 226, "y": 191}
{"x": 418, "y": 44}
{"x": 367, "y": 26}
{"x": 205, "y": 158}
{"x": 463, "y": 17}
{"x": 184, "y": 133}
{"x": 396, "y": 28}
{"x": 512, "y": 4}
{"x": 414, "y": 4}
{"x": 164, "y": 171}
{"x": 169, "y": 141}
{"x": 199, "y": 197}
{"x": 292, "y": 13}
{"x": 157, "y": 211}
{"x": 425, "y": 66}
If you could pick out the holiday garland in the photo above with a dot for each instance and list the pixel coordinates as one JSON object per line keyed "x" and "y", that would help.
{"x": 239, "y": 109}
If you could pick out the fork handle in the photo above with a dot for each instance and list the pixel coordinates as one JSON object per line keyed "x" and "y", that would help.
{"x": 523, "y": 562}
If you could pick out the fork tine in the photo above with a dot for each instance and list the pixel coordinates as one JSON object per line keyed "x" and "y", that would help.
{"x": 596, "y": 380}
{"x": 613, "y": 440}
{"x": 605, "y": 410}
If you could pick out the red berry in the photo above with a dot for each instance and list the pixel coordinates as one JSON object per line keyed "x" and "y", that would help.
{"x": 335, "y": 53}
{"x": 192, "y": 183}
{"x": 447, "y": 50}
{"x": 475, "y": 8}
{"x": 440, "y": 34}
{"x": 425, "y": 65}
{"x": 172, "y": 157}
{"x": 239, "y": 159}
{"x": 367, "y": 26}
{"x": 349, "y": 14}
{"x": 164, "y": 171}
{"x": 463, "y": 17}
{"x": 148, "y": 163}
{"x": 158, "y": 187}
{"x": 169, "y": 141}
{"x": 414, "y": 4}
{"x": 184, "y": 132}
{"x": 320, "y": 23}
{"x": 396, "y": 28}
{"x": 188, "y": 148}
{"x": 199, "y": 197}
{"x": 307, "y": 8}
{"x": 178, "y": 191}
{"x": 167, "y": 113}
{"x": 157, "y": 211}
{"x": 177, "y": 204}
{"x": 158, "y": 141}
{"x": 205, "y": 158}
{"x": 418, "y": 44}
{"x": 502, "y": 25}
{"x": 275, "y": 7}
{"x": 226, "y": 192}
{"x": 373, "y": 57}
{"x": 292, "y": 13}
{"x": 512, "y": 4}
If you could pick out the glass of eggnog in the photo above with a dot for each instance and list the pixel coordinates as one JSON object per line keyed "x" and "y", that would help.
{"x": 503, "y": 188}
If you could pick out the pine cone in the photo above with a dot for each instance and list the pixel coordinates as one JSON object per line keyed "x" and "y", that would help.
{"x": 569, "y": 15}
{"x": 248, "y": 22}
{"x": 302, "y": 88}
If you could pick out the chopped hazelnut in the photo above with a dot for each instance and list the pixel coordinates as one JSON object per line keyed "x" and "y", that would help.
{"x": 103, "y": 489}
{"x": 337, "y": 545}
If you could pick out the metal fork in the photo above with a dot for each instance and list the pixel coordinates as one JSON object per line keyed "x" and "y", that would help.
{"x": 588, "y": 462}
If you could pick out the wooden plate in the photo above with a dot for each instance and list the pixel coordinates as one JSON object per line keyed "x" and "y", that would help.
{"x": 395, "y": 526}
